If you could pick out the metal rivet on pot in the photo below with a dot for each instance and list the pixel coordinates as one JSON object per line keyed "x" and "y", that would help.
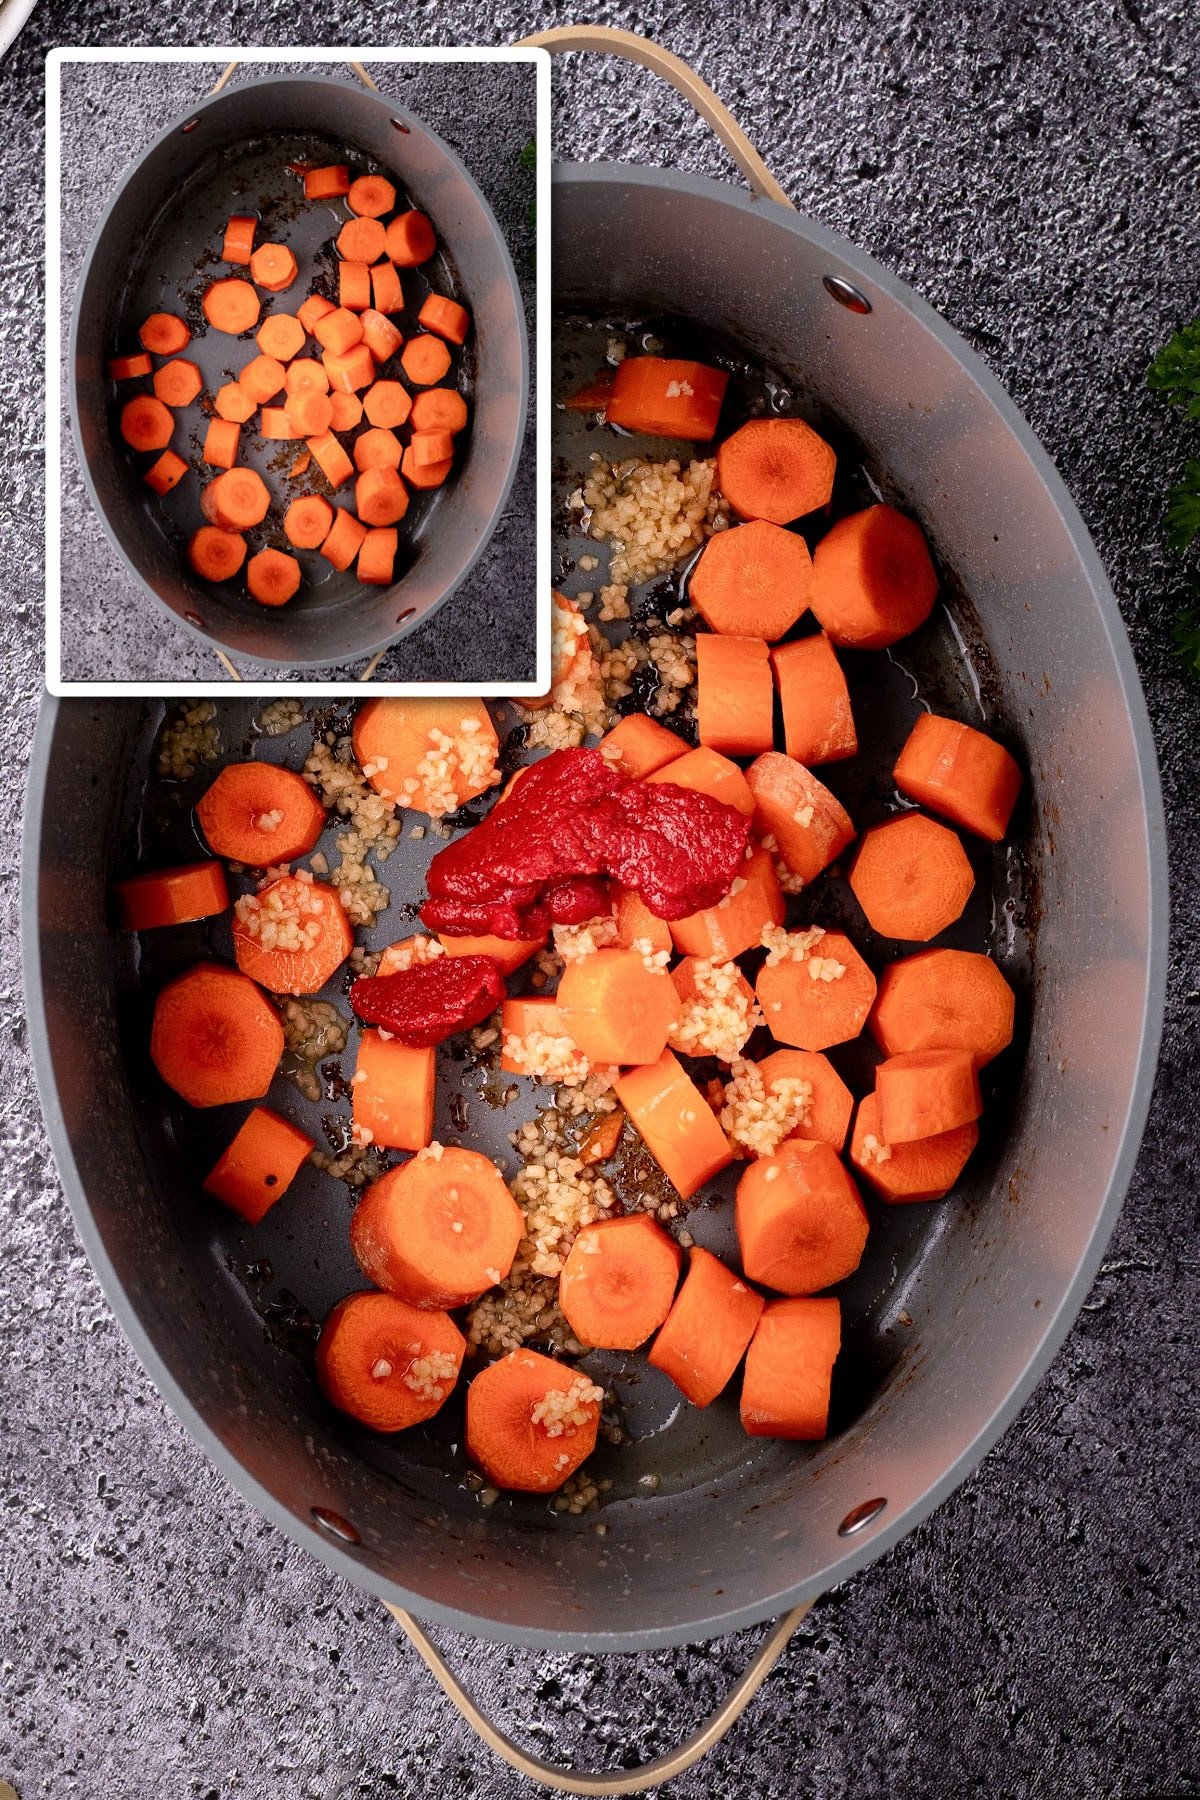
{"x": 407, "y": 614}
{"x": 190, "y": 126}
{"x": 860, "y": 1516}
{"x": 335, "y": 1525}
{"x": 194, "y": 619}
{"x": 845, "y": 295}
{"x": 398, "y": 126}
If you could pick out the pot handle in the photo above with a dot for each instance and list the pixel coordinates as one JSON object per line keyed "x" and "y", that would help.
{"x": 617, "y": 1781}
{"x": 606, "y": 40}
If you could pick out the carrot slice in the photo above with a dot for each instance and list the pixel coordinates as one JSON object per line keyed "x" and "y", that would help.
{"x": 377, "y": 448}
{"x": 912, "y": 877}
{"x": 830, "y": 1106}
{"x": 327, "y": 183}
{"x": 637, "y": 745}
{"x": 165, "y": 334}
{"x": 275, "y": 426}
{"x": 238, "y": 244}
{"x": 166, "y": 473}
{"x": 307, "y": 521}
{"x": 387, "y": 405}
{"x": 338, "y": 330}
{"x": 599, "y": 1142}
{"x": 263, "y": 378}
{"x": 815, "y": 990}
{"x": 535, "y": 1042}
{"x": 944, "y": 1000}
{"x": 428, "y": 475}
{"x": 707, "y": 1330}
{"x": 380, "y": 335}
{"x": 343, "y": 540}
{"x": 807, "y": 824}
{"x": 801, "y": 1223}
{"x": 440, "y": 1230}
{"x": 410, "y": 239}
{"x": 637, "y": 925}
{"x": 752, "y": 581}
{"x": 273, "y": 267}
{"x": 594, "y": 395}
{"x": 172, "y": 896}
{"x": 676, "y": 1125}
{"x": 439, "y": 409}
{"x": 146, "y": 424}
{"x": 272, "y": 577}
{"x": 354, "y": 286}
{"x": 377, "y": 558}
{"x": 215, "y": 1039}
{"x": 291, "y": 936}
{"x": 281, "y": 336}
{"x": 924, "y": 1170}
{"x": 616, "y": 1009}
{"x": 425, "y": 360}
{"x": 214, "y": 554}
{"x": 380, "y": 497}
{"x": 925, "y": 1092}
{"x": 961, "y": 773}
{"x": 717, "y": 1012}
{"x": 350, "y": 369}
{"x": 394, "y": 1092}
{"x": 873, "y": 579}
{"x": 371, "y": 196}
{"x": 386, "y": 293}
{"x": 260, "y": 814}
{"x": 735, "y": 699}
{"x": 234, "y": 403}
{"x": 361, "y": 240}
{"x": 308, "y": 413}
{"x": 818, "y": 723}
{"x": 260, "y": 1164}
{"x": 736, "y": 923}
{"x": 306, "y": 375}
{"x": 238, "y": 499}
{"x": 314, "y": 308}
{"x": 776, "y": 469}
{"x": 177, "y": 382}
{"x": 301, "y": 465}
{"x": 221, "y": 442}
{"x": 789, "y": 1369}
{"x": 618, "y": 1282}
{"x": 231, "y": 305}
{"x": 662, "y": 396}
{"x": 446, "y": 318}
{"x": 531, "y": 1421}
{"x": 706, "y": 771}
{"x": 331, "y": 459}
{"x": 129, "y": 368}
{"x": 430, "y": 448}
{"x": 389, "y": 1365}
{"x": 430, "y": 754}
{"x": 507, "y": 953}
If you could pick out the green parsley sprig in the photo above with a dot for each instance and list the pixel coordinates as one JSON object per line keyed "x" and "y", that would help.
{"x": 1175, "y": 373}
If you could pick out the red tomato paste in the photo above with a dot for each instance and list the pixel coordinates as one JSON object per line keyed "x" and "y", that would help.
{"x": 432, "y": 1000}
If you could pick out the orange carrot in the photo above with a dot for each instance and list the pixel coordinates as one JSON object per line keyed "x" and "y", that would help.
{"x": 172, "y": 896}
{"x": 231, "y": 306}
{"x": 775, "y": 469}
{"x": 706, "y": 771}
{"x": 752, "y": 581}
{"x": 531, "y": 1421}
{"x": 273, "y": 267}
{"x": 281, "y": 336}
{"x": 911, "y": 877}
{"x": 328, "y": 183}
{"x": 735, "y": 700}
{"x": 146, "y": 424}
{"x": 618, "y": 1282}
{"x": 361, "y": 240}
{"x": 507, "y": 953}
{"x": 873, "y": 579}
{"x": 380, "y": 335}
{"x": 238, "y": 499}
{"x": 439, "y": 1230}
{"x": 959, "y": 772}
{"x": 446, "y": 318}
{"x": 387, "y": 295}
{"x": 164, "y": 334}
{"x": 387, "y": 405}
{"x": 425, "y": 360}
{"x": 818, "y": 724}
{"x": 221, "y": 443}
{"x": 801, "y": 1223}
{"x": 263, "y": 378}
{"x": 349, "y": 370}
{"x": 215, "y": 1039}
{"x": 166, "y": 473}
{"x": 292, "y": 936}
{"x": 676, "y": 1125}
{"x": 789, "y": 1369}
{"x": 347, "y": 412}
{"x": 534, "y": 1040}
{"x": 599, "y": 1142}
{"x": 377, "y": 448}
{"x": 637, "y": 744}
{"x": 260, "y": 814}
{"x": 129, "y": 368}
{"x": 307, "y": 521}
{"x": 234, "y": 403}
{"x": 707, "y": 1330}
{"x": 338, "y": 330}
{"x": 716, "y": 1009}
{"x": 238, "y": 244}
{"x": 371, "y": 196}
{"x": 354, "y": 286}
{"x": 831, "y": 1105}
{"x": 214, "y": 554}
{"x": 377, "y": 558}
{"x": 309, "y": 414}
{"x": 380, "y": 497}
{"x": 926, "y": 1092}
{"x": 736, "y": 923}
{"x": 272, "y": 577}
{"x": 636, "y": 924}
{"x": 660, "y": 396}
{"x": 439, "y": 409}
{"x": 944, "y": 1000}
{"x": 393, "y": 1097}
{"x": 275, "y": 425}
{"x": 392, "y": 739}
{"x": 808, "y": 825}
{"x": 301, "y": 465}
{"x": 426, "y": 475}
{"x": 431, "y": 448}
{"x": 815, "y": 990}
{"x": 331, "y": 459}
{"x": 594, "y": 395}
{"x": 616, "y": 1009}
{"x": 924, "y": 1170}
{"x": 387, "y": 1364}
{"x": 343, "y": 541}
{"x": 178, "y": 382}
{"x": 260, "y": 1164}
{"x": 314, "y": 308}
{"x": 409, "y": 240}
{"x": 306, "y": 375}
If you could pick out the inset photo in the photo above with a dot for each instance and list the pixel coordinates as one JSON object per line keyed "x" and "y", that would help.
{"x": 296, "y": 333}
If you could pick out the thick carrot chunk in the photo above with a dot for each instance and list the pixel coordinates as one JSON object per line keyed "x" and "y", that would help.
{"x": 260, "y": 814}
{"x": 873, "y": 579}
{"x": 924, "y": 1170}
{"x": 752, "y": 581}
{"x": 735, "y": 697}
{"x": 439, "y": 1230}
{"x": 638, "y": 745}
{"x": 260, "y": 1164}
{"x": 661, "y": 396}
{"x": 618, "y": 1282}
{"x": 616, "y": 1009}
{"x": 961, "y": 773}
{"x": 830, "y": 1104}
{"x": 707, "y": 1330}
{"x": 735, "y": 924}
{"x": 394, "y": 1092}
{"x": 531, "y": 1421}
{"x": 293, "y": 935}
{"x": 925, "y": 1092}
{"x": 818, "y": 723}
{"x": 815, "y": 990}
{"x": 172, "y": 896}
{"x": 912, "y": 877}
{"x": 216, "y": 1039}
{"x": 706, "y": 771}
{"x": 431, "y": 755}
{"x": 944, "y": 1000}
{"x": 387, "y": 1364}
{"x": 675, "y": 1122}
{"x": 808, "y": 825}
{"x": 801, "y": 1223}
{"x": 789, "y": 1369}
{"x": 775, "y": 469}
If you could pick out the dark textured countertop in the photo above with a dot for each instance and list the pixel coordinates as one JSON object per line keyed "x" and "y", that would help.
{"x": 1032, "y": 171}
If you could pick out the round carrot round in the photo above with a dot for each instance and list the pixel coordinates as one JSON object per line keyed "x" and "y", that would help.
{"x": 818, "y": 721}
{"x": 873, "y": 579}
{"x": 344, "y": 539}
{"x": 912, "y": 877}
{"x": 393, "y": 738}
{"x": 789, "y": 1369}
{"x": 231, "y": 306}
{"x": 347, "y": 412}
{"x": 809, "y": 824}
{"x": 237, "y": 499}
{"x": 427, "y": 475}
{"x": 310, "y": 413}
{"x": 377, "y": 448}
{"x": 705, "y": 771}
{"x": 387, "y": 404}
{"x": 752, "y": 581}
{"x": 959, "y": 772}
{"x": 439, "y": 1230}
{"x": 215, "y": 1039}
{"x": 129, "y": 368}
{"x": 234, "y": 403}
{"x": 273, "y": 267}
{"x": 439, "y": 409}
{"x": 305, "y": 373}
{"x": 425, "y": 360}
{"x": 531, "y": 1422}
{"x": 370, "y": 196}
{"x": 775, "y": 469}
{"x": 735, "y": 924}
{"x": 926, "y": 1169}
{"x": 260, "y": 814}
{"x": 410, "y": 239}
{"x": 831, "y": 1104}
{"x": 172, "y": 896}
{"x": 387, "y": 1364}
{"x": 361, "y": 240}
{"x": 446, "y": 318}
{"x": 272, "y": 577}
{"x": 164, "y": 334}
{"x": 735, "y": 700}
{"x": 380, "y": 497}
{"x": 307, "y": 521}
{"x": 618, "y": 1281}
{"x": 177, "y": 382}
{"x": 707, "y": 1329}
{"x": 292, "y": 936}
{"x": 379, "y": 334}
{"x": 216, "y": 554}
{"x": 377, "y": 557}
{"x": 801, "y": 1223}
{"x": 166, "y": 473}
{"x": 263, "y": 378}
{"x": 815, "y": 990}
{"x": 354, "y": 286}
{"x": 387, "y": 294}
{"x": 944, "y": 1000}
{"x": 925, "y": 1092}
{"x": 281, "y": 335}
{"x": 146, "y": 424}
{"x": 615, "y": 1009}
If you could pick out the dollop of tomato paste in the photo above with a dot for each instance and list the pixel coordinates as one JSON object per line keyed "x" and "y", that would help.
{"x": 573, "y": 821}
{"x": 432, "y": 1000}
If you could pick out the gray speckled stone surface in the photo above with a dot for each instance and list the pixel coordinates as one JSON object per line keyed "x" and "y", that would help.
{"x": 111, "y": 631}
{"x": 1034, "y": 179}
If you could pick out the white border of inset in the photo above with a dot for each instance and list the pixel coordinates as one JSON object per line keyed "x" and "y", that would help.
{"x": 256, "y": 685}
